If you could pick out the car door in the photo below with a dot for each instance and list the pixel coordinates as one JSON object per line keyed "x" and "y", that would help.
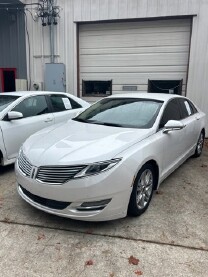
{"x": 63, "y": 107}
{"x": 172, "y": 143}
{"x": 36, "y": 116}
{"x": 189, "y": 119}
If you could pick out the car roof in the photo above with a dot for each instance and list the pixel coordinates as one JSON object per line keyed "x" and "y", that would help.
{"x": 144, "y": 95}
{"x": 26, "y": 93}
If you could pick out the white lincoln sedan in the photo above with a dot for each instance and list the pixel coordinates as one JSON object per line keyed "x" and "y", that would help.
{"x": 108, "y": 160}
{"x": 24, "y": 113}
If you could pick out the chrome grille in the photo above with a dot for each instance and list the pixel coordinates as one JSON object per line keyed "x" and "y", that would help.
{"x": 58, "y": 174}
{"x": 24, "y": 165}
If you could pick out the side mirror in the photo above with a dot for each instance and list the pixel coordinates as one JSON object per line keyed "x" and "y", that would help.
{"x": 14, "y": 115}
{"x": 173, "y": 125}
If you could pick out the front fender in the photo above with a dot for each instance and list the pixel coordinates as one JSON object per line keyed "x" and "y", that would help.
{"x": 149, "y": 149}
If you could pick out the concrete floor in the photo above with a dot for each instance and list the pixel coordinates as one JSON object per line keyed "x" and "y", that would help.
{"x": 170, "y": 239}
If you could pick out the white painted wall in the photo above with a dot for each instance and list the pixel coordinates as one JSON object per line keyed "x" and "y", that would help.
{"x": 95, "y": 10}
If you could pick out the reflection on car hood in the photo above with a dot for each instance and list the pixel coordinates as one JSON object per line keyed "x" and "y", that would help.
{"x": 79, "y": 143}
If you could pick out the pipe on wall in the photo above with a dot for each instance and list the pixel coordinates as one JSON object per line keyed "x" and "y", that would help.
{"x": 51, "y": 28}
{"x": 52, "y": 43}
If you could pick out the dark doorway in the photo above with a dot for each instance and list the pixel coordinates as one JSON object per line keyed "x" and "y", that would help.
{"x": 8, "y": 77}
{"x": 9, "y": 81}
{"x": 165, "y": 86}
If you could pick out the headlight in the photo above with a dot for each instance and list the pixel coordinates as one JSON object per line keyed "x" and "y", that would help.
{"x": 20, "y": 151}
{"x": 96, "y": 168}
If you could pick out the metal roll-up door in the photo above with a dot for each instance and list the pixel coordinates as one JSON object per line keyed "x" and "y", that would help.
{"x": 131, "y": 53}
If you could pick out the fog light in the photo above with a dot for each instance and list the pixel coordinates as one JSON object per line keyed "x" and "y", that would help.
{"x": 93, "y": 206}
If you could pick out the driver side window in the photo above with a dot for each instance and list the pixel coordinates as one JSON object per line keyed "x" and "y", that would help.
{"x": 171, "y": 112}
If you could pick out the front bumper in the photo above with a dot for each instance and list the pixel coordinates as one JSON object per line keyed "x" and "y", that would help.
{"x": 115, "y": 184}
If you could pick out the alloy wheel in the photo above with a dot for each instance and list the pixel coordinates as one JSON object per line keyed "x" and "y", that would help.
{"x": 200, "y": 144}
{"x": 144, "y": 188}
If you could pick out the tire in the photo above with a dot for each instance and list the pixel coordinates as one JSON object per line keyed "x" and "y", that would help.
{"x": 199, "y": 145}
{"x": 142, "y": 190}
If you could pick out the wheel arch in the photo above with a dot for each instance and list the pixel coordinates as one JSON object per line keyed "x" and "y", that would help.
{"x": 153, "y": 163}
{"x": 133, "y": 208}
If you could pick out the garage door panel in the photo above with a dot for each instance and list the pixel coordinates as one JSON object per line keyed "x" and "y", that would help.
{"x": 142, "y": 40}
{"x": 135, "y": 59}
{"x": 132, "y": 25}
{"x": 139, "y": 90}
{"x": 119, "y": 88}
{"x": 137, "y": 31}
{"x": 135, "y": 50}
{"x": 133, "y": 69}
{"x": 132, "y": 78}
{"x": 140, "y": 87}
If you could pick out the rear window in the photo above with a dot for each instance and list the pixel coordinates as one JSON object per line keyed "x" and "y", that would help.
{"x": 187, "y": 108}
{"x": 6, "y": 100}
{"x": 62, "y": 103}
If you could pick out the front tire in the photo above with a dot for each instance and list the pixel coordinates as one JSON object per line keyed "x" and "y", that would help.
{"x": 142, "y": 190}
{"x": 199, "y": 146}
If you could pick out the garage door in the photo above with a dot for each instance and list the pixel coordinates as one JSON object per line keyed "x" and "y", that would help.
{"x": 133, "y": 55}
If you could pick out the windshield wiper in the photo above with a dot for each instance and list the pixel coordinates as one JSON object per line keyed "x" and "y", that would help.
{"x": 80, "y": 120}
{"x": 106, "y": 123}
{"x": 113, "y": 124}
{"x": 97, "y": 122}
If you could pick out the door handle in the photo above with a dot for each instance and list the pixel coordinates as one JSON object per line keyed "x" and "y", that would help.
{"x": 197, "y": 118}
{"x": 48, "y": 120}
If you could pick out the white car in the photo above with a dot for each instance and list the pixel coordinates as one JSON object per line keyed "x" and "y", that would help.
{"x": 108, "y": 160}
{"x": 24, "y": 113}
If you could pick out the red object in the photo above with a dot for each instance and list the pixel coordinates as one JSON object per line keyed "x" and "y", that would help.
{"x": 138, "y": 272}
{"x": 2, "y": 70}
{"x": 133, "y": 260}
{"x": 90, "y": 262}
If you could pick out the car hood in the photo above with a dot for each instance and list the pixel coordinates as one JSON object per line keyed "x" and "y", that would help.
{"x": 80, "y": 143}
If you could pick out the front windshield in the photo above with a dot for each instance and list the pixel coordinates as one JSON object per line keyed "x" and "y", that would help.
{"x": 6, "y": 100}
{"x": 122, "y": 112}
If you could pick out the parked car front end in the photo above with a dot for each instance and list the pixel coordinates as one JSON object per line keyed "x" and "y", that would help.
{"x": 107, "y": 161}
{"x": 87, "y": 180}
{"x": 96, "y": 191}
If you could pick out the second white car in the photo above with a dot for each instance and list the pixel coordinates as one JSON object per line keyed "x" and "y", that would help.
{"x": 24, "y": 113}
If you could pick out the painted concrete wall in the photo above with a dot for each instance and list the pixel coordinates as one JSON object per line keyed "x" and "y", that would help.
{"x": 73, "y": 11}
